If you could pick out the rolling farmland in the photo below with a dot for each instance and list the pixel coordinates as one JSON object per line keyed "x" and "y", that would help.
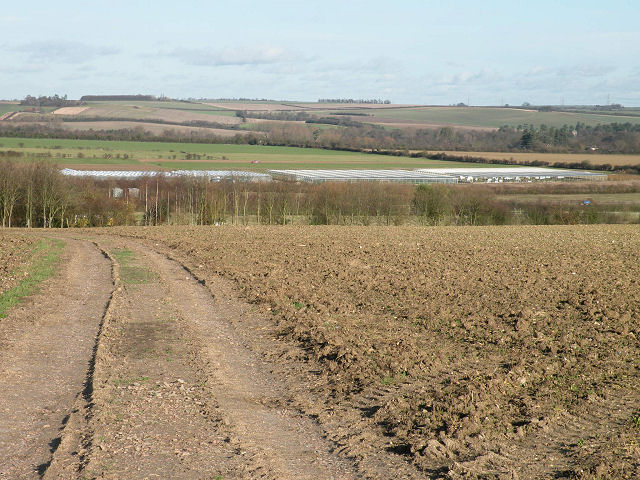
{"x": 489, "y": 117}
{"x": 430, "y": 356}
{"x": 468, "y": 351}
{"x": 91, "y": 154}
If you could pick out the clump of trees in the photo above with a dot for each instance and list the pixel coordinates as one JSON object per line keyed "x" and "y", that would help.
{"x": 54, "y": 101}
{"x": 114, "y": 98}
{"x": 36, "y": 194}
{"x": 374, "y": 101}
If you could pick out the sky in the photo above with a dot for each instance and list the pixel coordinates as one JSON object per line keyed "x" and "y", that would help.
{"x": 492, "y": 52}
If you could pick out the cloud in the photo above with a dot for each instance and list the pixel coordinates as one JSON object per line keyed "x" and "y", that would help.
{"x": 26, "y": 69}
{"x": 63, "y": 51}
{"x": 572, "y": 71}
{"x": 464, "y": 78}
{"x": 12, "y": 19}
{"x": 379, "y": 64}
{"x": 231, "y": 56}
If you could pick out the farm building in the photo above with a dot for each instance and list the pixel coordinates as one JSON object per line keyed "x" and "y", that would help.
{"x": 399, "y": 176}
{"x": 514, "y": 174}
{"x": 212, "y": 175}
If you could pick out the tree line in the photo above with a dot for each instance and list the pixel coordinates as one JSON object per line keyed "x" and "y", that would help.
{"x": 36, "y": 194}
{"x": 53, "y": 101}
{"x": 373, "y": 101}
{"x": 114, "y": 98}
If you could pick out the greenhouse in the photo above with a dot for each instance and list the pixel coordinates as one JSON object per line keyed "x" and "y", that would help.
{"x": 399, "y": 176}
{"x": 212, "y": 175}
{"x": 514, "y": 174}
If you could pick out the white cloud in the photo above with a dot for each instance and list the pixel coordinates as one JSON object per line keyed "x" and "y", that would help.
{"x": 62, "y": 51}
{"x": 232, "y": 56}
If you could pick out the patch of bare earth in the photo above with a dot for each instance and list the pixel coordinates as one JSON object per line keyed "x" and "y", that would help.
{"x": 70, "y": 110}
{"x": 46, "y": 347}
{"x": 15, "y": 252}
{"x": 178, "y": 394}
{"x": 155, "y": 128}
{"x": 165, "y": 114}
{"x": 479, "y": 352}
{"x": 403, "y": 123}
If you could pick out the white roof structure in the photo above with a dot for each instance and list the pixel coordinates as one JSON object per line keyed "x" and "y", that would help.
{"x": 507, "y": 174}
{"x": 213, "y": 175}
{"x": 400, "y": 176}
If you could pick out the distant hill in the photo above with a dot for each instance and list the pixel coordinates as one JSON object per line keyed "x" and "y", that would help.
{"x": 115, "y": 98}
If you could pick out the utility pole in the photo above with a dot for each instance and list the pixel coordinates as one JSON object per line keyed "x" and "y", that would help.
{"x": 156, "y": 201}
{"x": 146, "y": 203}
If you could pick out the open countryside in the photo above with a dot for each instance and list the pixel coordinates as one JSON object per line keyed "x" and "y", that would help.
{"x": 320, "y": 240}
{"x": 98, "y": 155}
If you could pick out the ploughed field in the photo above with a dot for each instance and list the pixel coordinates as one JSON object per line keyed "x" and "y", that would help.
{"x": 466, "y": 351}
{"x": 15, "y": 252}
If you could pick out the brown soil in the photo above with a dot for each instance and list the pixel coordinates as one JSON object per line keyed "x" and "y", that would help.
{"x": 15, "y": 251}
{"x": 6, "y": 116}
{"x": 46, "y": 346}
{"x": 417, "y": 124}
{"x": 479, "y": 352}
{"x": 466, "y": 352}
{"x": 144, "y": 112}
{"x": 156, "y": 128}
{"x": 178, "y": 394}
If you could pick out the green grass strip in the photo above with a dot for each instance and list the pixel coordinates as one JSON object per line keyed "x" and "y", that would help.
{"x": 132, "y": 274}
{"x": 43, "y": 265}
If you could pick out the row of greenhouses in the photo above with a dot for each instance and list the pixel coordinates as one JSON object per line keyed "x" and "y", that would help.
{"x": 418, "y": 176}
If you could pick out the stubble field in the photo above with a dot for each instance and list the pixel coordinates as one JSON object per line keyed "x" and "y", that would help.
{"x": 498, "y": 352}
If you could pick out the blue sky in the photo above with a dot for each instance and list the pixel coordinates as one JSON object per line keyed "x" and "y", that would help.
{"x": 431, "y": 52}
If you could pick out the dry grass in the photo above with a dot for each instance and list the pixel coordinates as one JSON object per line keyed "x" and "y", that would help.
{"x": 70, "y": 110}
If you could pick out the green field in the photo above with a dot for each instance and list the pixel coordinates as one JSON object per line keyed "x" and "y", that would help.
{"x": 484, "y": 116}
{"x": 91, "y": 154}
{"x": 12, "y": 107}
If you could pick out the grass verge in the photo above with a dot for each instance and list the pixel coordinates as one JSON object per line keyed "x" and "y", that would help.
{"x": 44, "y": 262}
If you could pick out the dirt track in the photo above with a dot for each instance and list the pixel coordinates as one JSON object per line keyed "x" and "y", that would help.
{"x": 175, "y": 391}
{"x": 46, "y": 346}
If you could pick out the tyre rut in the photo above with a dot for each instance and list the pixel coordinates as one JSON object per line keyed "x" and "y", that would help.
{"x": 253, "y": 404}
{"x": 47, "y": 346}
{"x": 176, "y": 393}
